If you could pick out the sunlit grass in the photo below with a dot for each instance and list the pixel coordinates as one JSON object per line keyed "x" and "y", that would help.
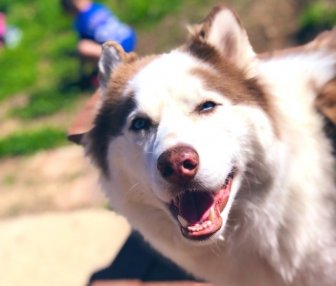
{"x": 318, "y": 14}
{"x": 46, "y": 51}
{"x": 44, "y": 65}
{"x": 31, "y": 141}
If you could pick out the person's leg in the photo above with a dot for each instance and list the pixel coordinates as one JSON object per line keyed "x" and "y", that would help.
{"x": 88, "y": 49}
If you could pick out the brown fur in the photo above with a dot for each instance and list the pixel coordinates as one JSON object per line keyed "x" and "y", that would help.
{"x": 326, "y": 100}
{"x": 236, "y": 86}
{"x": 111, "y": 118}
{"x": 108, "y": 123}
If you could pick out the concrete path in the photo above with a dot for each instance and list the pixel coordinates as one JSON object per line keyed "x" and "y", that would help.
{"x": 59, "y": 249}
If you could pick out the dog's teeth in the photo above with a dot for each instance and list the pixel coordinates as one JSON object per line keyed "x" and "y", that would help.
{"x": 200, "y": 227}
{"x": 196, "y": 227}
{"x": 182, "y": 221}
{"x": 212, "y": 214}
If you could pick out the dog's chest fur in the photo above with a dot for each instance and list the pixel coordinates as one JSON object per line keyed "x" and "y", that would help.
{"x": 256, "y": 117}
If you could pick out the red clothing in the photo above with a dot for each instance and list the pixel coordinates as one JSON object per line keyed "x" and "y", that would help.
{"x": 2, "y": 25}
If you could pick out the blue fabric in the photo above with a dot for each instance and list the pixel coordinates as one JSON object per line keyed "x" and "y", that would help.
{"x": 98, "y": 23}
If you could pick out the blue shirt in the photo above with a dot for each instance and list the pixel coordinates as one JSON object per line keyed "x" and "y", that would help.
{"x": 98, "y": 23}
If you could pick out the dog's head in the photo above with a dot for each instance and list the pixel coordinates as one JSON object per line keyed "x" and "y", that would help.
{"x": 185, "y": 133}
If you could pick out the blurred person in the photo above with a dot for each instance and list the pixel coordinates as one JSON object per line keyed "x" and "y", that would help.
{"x": 96, "y": 24}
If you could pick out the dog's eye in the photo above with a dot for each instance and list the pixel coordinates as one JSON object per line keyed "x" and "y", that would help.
{"x": 206, "y": 106}
{"x": 140, "y": 123}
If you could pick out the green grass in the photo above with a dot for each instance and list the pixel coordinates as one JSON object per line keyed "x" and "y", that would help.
{"x": 45, "y": 103}
{"x": 42, "y": 57}
{"x": 315, "y": 18}
{"x": 37, "y": 62}
{"x": 44, "y": 66}
{"x": 29, "y": 142}
{"x": 318, "y": 15}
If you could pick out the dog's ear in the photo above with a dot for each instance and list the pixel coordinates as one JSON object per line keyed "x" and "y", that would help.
{"x": 222, "y": 29}
{"x": 112, "y": 55}
{"x": 326, "y": 101}
{"x": 325, "y": 40}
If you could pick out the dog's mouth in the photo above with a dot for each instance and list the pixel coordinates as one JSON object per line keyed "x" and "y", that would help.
{"x": 199, "y": 212}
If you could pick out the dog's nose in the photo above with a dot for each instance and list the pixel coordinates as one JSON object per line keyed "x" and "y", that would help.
{"x": 179, "y": 164}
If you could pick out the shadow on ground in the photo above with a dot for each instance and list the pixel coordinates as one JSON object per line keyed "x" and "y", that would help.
{"x": 138, "y": 261}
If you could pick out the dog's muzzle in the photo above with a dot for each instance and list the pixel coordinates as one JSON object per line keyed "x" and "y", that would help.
{"x": 196, "y": 209}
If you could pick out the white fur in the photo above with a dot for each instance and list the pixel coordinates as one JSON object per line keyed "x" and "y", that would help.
{"x": 284, "y": 233}
{"x": 279, "y": 225}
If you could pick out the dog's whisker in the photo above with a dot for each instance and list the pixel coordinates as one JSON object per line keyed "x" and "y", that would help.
{"x": 215, "y": 249}
{"x": 133, "y": 187}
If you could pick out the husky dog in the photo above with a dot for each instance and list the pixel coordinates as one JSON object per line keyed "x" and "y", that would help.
{"x": 220, "y": 157}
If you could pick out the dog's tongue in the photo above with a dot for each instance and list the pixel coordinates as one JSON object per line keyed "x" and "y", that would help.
{"x": 194, "y": 206}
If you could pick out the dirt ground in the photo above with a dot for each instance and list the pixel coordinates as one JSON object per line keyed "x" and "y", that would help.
{"x": 59, "y": 248}
{"x": 61, "y": 179}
